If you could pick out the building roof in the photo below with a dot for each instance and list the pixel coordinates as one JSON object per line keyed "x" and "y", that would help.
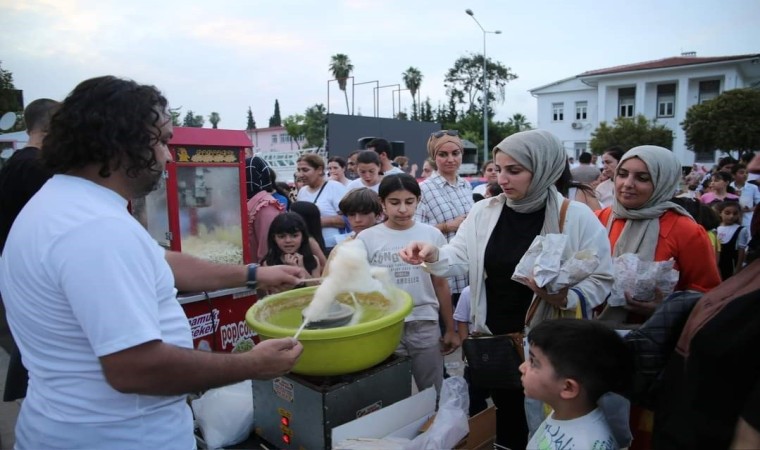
{"x": 210, "y": 137}
{"x": 676, "y": 61}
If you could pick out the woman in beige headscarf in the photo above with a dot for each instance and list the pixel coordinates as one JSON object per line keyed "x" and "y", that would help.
{"x": 494, "y": 237}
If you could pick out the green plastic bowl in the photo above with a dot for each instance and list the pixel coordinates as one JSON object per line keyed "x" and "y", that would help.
{"x": 340, "y": 350}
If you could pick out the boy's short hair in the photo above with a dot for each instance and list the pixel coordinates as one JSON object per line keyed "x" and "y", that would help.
{"x": 589, "y": 352}
{"x": 361, "y": 201}
{"x": 738, "y": 167}
{"x": 381, "y": 146}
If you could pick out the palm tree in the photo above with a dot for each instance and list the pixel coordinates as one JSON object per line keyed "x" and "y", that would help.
{"x": 341, "y": 68}
{"x": 519, "y": 122}
{"x": 413, "y": 80}
{"x": 214, "y": 119}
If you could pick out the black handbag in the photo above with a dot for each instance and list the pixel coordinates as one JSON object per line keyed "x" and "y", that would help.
{"x": 494, "y": 361}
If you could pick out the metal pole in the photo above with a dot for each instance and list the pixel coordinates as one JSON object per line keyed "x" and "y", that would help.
{"x": 353, "y": 94}
{"x": 485, "y": 102}
{"x": 328, "y": 96}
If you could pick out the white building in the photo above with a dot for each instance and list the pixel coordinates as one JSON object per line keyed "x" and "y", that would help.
{"x": 664, "y": 90}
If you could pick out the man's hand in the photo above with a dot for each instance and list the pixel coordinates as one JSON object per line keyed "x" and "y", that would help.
{"x": 273, "y": 357}
{"x": 279, "y": 277}
{"x": 419, "y": 252}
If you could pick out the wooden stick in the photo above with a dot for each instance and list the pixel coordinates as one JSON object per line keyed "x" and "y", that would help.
{"x": 309, "y": 280}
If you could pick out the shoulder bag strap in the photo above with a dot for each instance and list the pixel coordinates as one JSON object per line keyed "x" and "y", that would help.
{"x": 320, "y": 191}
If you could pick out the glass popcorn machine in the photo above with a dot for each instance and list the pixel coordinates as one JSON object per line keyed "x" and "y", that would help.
{"x": 200, "y": 209}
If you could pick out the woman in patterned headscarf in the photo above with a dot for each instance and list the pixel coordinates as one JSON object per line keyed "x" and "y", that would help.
{"x": 494, "y": 237}
{"x": 262, "y": 206}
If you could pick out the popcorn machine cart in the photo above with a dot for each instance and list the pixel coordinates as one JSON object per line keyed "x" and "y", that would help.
{"x": 200, "y": 209}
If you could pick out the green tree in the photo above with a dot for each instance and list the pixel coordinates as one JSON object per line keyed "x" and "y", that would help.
{"x": 519, "y": 122}
{"x": 341, "y": 68}
{"x": 275, "y": 120}
{"x": 731, "y": 121}
{"x": 193, "y": 121}
{"x": 295, "y": 127}
{"x": 214, "y": 118}
{"x": 6, "y": 78}
{"x": 413, "y": 81}
{"x": 464, "y": 81}
{"x": 426, "y": 111}
{"x": 315, "y": 120}
{"x": 251, "y": 125}
{"x": 630, "y": 132}
{"x": 175, "y": 117}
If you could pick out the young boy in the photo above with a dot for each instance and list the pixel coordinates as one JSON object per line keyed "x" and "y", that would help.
{"x": 363, "y": 210}
{"x": 572, "y": 363}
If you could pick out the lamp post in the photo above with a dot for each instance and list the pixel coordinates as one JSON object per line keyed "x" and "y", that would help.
{"x": 485, "y": 84}
{"x": 374, "y": 96}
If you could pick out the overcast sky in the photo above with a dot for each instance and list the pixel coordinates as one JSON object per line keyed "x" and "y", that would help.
{"x": 227, "y": 55}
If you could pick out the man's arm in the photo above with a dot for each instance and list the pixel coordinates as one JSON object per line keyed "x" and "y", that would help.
{"x": 194, "y": 274}
{"x": 156, "y": 368}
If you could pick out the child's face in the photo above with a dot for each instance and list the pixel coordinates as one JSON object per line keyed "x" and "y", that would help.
{"x": 539, "y": 379}
{"x": 730, "y": 215}
{"x": 399, "y": 207}
{"x": 361, "y": 221}
{"x": 289, "y": 243}
{"x": 740, "y": 177}
{"x": 370, "y": 173}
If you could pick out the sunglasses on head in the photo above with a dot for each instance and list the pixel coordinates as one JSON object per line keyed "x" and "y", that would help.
{"x": 442, "y": 133}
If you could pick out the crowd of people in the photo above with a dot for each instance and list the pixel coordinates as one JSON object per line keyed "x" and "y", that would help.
{"x": 112, "y": 358}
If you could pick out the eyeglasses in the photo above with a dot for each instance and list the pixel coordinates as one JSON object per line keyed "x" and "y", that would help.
{"x": 442, "y": 133}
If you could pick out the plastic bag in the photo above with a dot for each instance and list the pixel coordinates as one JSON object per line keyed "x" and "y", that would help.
{"x": 450, "y": 424}
{"x": 545, "y": 264}
{"x": 640, "y": 278}
{"x": 225, "y": 414}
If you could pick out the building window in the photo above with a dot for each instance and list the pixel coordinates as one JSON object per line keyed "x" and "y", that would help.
{"x": 666, "y": 100}
{"x": 627, "y": 102}
{"x": 283, "y": 138}
{"x": 708, "y": 90}
{"x": 274, "y": 139}
{"x": 581, "y": 110}
{"x": 558, "y": 112}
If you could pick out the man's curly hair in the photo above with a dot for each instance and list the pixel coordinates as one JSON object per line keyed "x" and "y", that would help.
{"x": 107, "y": 121}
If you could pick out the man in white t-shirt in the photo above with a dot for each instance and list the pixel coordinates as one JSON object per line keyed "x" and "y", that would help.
{"x": 383, "y": 149}
{"x": 91, "y": 297}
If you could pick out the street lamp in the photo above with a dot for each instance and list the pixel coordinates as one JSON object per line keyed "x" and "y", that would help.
{"x": 485, "y": 84}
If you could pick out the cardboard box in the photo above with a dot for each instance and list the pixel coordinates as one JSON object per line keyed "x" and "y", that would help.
{"x": 482, "y": 431}
{"x": 412, "y": 416}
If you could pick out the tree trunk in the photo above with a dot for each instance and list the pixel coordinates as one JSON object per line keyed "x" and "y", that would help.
{"x": 348, "y": 111}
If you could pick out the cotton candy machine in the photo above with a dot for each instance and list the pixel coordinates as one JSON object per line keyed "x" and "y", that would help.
{"x": 372, "y": 334}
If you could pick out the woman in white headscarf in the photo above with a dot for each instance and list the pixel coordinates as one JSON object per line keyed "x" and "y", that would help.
{"x": 642, "y": 220}
{"x": 494, "y": 237}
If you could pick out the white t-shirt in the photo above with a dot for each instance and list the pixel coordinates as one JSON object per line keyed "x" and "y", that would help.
{"x": 383, "y": 245}
{"x": 726, "y": 232}
{"x": 82, "y": 279}
{"x": 358, "y": 183}
{"x": 462, "y": 311}
{"x": 750, "y": 197}
{"x": 480, "y": 189}
{"x": 393, "y": 170}
{"x": 584, "y": 433}
{"x": 328, "y": 205}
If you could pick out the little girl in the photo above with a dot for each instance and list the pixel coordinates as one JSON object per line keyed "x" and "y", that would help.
{"x": 289, "y": 244}
{"x": 733, "y": 238}
{"x": 399, "y": 195}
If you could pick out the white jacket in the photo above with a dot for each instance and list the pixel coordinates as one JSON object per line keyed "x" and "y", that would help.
{"x": 465, "y": 252}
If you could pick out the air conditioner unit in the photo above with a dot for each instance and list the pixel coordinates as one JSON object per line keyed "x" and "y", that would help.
{"x": 576, "y": 125}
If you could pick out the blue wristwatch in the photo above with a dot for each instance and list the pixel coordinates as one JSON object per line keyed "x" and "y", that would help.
{"x": 251, "y": 279}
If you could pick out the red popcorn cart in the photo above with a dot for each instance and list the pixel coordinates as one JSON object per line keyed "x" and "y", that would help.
{"x": 200, "y": 209}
